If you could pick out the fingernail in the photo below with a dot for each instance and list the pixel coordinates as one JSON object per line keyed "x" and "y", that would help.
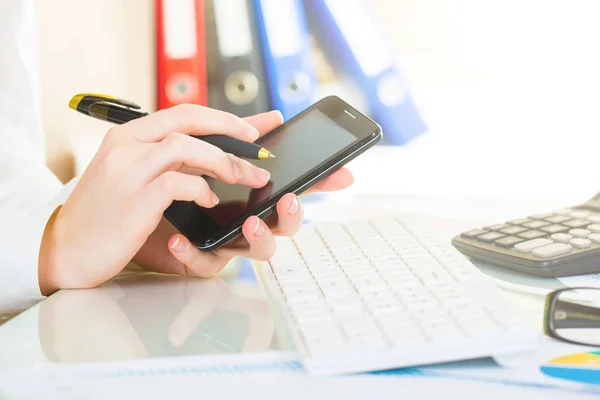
{"x": 262, "y": 174}
{"x": 295, "y": 205}
{"x": 259, "y": 229}
{"x": 178, "y": 244}
{"x": 250, "y": 131}
{"x": 215, "y": 199}
{"x": 280, "y": 114}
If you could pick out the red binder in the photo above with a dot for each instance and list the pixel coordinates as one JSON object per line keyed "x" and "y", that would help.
{"x": 181, "y": 55}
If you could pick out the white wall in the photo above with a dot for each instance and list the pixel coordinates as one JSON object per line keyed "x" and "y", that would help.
{"x": 92, "y": 46}
{"x": 506, "y": 84}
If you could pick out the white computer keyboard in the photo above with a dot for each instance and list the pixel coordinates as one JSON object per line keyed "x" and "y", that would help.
{"x": 367, "y": 295}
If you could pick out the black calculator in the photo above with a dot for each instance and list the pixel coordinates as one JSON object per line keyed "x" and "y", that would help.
{"x": 559, "y": 243}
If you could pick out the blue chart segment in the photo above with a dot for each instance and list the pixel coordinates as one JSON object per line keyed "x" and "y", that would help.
{"x": 580, "y": 367}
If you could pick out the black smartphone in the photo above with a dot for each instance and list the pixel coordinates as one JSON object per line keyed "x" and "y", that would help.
{"x": 308, "y": 148}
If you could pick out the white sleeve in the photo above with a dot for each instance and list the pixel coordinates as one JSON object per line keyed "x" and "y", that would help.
{"x": 29, "y": 191}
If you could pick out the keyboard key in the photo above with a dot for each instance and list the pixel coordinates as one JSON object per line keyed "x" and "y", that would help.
{"x": 519, "y": 221}
{"x": 580, "y": 214}
{"x": 531, "y": 234}
{"x": 496, "y": 227}
{"x": 565, "y": 211}
{"x": 508, "y": 241}
{"x": 529, "y": 246}
{"x": 595, "y": 237}
{"x": 594, "y": 228}
{"x": 489, "y": 237}
{"x": 579, "y": 233}
{"x": 536, "y": 224}
{"x": 552, "y": 250}
{"x": 334, "y": 289}
{"x": 561, "y": 237}
{"x": 513, "y": 230}
{"x": 555, "y": 228}
{"x": 541, "y": 216}
{"x": 580, "y": 243}
{"x": 594, "y": 218}
{"x": 474, "y": 233}
{"x": 577, "y": 223}
{"x": 557, "y": 219}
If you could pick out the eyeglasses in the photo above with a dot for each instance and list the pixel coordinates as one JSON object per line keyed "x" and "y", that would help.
{"x": 573, "y": 315}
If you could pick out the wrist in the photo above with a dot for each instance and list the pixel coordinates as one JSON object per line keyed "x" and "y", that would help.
{"x": 49, "y": 256}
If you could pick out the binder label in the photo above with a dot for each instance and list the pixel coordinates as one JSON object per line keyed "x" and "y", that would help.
{"x": 365, "y": 42}
{"x": 180, "y": 28}
{"x": 282, "y": 25}
{"x": 232, "y": 20}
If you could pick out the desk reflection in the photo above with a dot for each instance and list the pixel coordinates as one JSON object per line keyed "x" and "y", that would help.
{"x": 153, "y": 315}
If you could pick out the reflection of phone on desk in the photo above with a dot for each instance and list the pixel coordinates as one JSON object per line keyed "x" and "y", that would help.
{"x": 308, "y": 148}
{"x": 550, "y": 244}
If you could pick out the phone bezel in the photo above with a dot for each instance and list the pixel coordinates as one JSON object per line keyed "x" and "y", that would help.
{"x": 368, "y": 133}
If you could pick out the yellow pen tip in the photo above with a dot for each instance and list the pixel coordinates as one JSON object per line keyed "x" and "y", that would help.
{"x": 265, "y": 154}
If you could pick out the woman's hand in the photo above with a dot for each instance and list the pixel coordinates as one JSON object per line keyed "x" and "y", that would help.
{"x": 183, "y": 258}
{"x": 115, "y": 212}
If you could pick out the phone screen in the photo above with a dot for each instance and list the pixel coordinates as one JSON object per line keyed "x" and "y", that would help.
{"x": 300, "y": 146}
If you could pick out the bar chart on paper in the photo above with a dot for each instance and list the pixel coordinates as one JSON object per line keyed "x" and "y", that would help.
{"x": 579, "y": 367}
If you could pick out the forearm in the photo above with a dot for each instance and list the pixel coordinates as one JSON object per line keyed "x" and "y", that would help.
{"x": 29, "y": 197}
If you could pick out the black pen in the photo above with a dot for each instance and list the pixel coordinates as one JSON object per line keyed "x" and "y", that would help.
{"x": 119, "y": 111}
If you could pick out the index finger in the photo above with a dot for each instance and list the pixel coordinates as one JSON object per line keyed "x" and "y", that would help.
{"x": 190, "y": 119}
{"x": 265, "y": 122}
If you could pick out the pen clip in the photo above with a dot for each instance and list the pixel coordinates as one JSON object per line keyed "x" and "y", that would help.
{"x": 99, "y": 109}
{"x": 82, "y": 101}
{"x": 118, "y": 102}
{"x": 108, "y": 104}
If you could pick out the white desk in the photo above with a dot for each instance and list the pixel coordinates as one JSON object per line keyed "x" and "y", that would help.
{"x": 140, "y": 316}
{"x": 149, "y": 315}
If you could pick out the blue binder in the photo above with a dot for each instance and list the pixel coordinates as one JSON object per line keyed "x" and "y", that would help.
{"x": 351, "y": 36}
{"x": 287, "y": 55}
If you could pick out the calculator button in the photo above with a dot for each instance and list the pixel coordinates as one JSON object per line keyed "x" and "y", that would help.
{"x": 541, "y": 216}
{"x": 577, "y": 223}
{"x": 594, "y": 228}
{"x": 552, "y": 250}
{"x": 579, "y": 214}
{"x": 508, "y": 241}
{"x": 595, "y": 219}
{"x": 580, "y": 243}
{"x": 530, "y": 245}
{"x": 557, "y": 219}
{"x": 496, "y": 227}
{"x": 513, "y": 230}
{"x": 536, "y": 224}
{"x": 531, "y": 234}
{"x": 579, "y": 233}
{"x": 472, "y": 234}
{"x": 489, "y": 237}
{"x": 565, "y": 211}
{"x": 595, "y": 237}
{"x": 519, "y": 221}
{"x": 561, "y": 237}
{"x": 555, "y": 228}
